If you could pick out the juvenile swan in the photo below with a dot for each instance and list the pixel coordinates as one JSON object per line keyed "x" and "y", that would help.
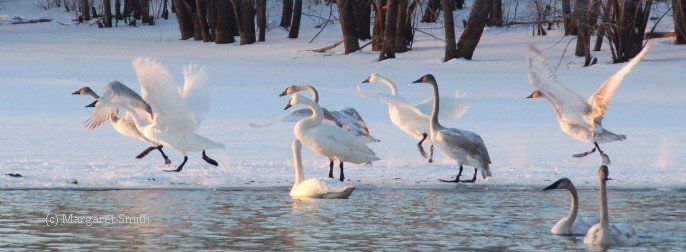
{"x": 577, "y": 117}
{"x": 328, "y": 140}
{"x": 414, "y": 119}
{"x": 315, "y": 187}
{"x": 465, "y": 147}
{"x": 570, "y": 225}
{"x": 347, "y": 118}
{"x": 126, "y": 126}
{"x": 604, "y": 233}
{"x": 163, "y": 113}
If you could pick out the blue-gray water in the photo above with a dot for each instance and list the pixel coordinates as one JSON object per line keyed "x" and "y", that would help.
{"x": 447, "y": 218}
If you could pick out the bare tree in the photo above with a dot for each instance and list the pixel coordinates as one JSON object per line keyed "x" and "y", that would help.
{"x": 295, "y": 22}
{"x": 475, "y": 27}
{"x": 449, "y": 25}
{"x": 183, "y": 16}
{"x": 362, "y": 17}
{"x": 225, "y": 21}
{"x": 117, "y": 10}
{"x": 585, "y": 16}
{"x": 350, "y": 39}
{"x": 678, "y": 12}
{"x": 211, "y": 17}
{"x": 262, "y": 19}
{"x": 85, "y": 10}
{"x": 496, "y": 18}
{"x": 201, "y": 16}
{"x": 431, "y": 11}
{"x": 107, "y": 13}
{"x": 388, "y": 46}
{"x": 401, "y": 27}
{"x": 286, "y": 13}
{"x": 570, "y": 27}
{"x": 379, "y": 19}
{"x": 165, "y": 11}
{"x": 245, "y": 13}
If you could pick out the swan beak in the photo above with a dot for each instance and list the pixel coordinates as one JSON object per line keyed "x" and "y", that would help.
{"x": 552, "y": 186}
{"x": 77, "y": 92}
{"x": 419, "y": 80}
{"x": 92, "y": 104}
{"x": 282, "y": 94}
{"x": 608, "y": 179}
{"x": 287, "y": 106}
{"x": 366, "y": 80}
{"x": 530, "y": 96}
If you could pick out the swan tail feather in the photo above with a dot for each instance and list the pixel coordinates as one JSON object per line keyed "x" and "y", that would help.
{"x": 607, "y": 136}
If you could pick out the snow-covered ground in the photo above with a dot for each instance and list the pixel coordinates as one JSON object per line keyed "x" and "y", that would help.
{"x": 42, "y": 138}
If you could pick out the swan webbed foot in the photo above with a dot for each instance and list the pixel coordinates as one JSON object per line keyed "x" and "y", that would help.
{"x": 145, "y": 152}
{"x": 421, "y": 148}
{"x": 209, "y": 160}
{"x": 457, "y": 178}
{"x": 604, "y": 159}
{"x": 584, "y": 154}
{"x": 178, "y": 169}
{"x": 167, "y": 161}
{"x": 473, "y": 178}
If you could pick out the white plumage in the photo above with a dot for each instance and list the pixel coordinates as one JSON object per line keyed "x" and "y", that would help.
{"x": 571, "y": 224}
{"x": 315, "y": 187}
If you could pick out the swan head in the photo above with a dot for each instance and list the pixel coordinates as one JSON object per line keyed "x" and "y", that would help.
{"x": 295, "y": 100}
{"x": 563, "y": 183}
{"x": 83, "y": 91}
{"x": 291, "y": 89}
{"x": 373, "y": 78}
{"x": 603, "y": 173}
{"x": 536, "y": 94}
{"x": 428, "y": 78}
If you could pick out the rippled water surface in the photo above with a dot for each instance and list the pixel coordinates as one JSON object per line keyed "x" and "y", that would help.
{"x": 453, "y": 218}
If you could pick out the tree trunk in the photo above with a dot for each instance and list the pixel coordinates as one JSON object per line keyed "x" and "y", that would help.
{"x": 379, "y": 16}
{"x": 449, "y": 25}
{"x": 261, "y": 19}
{"x": 348, "y": 26}
{"x": 475, "y": 27}
{"x": 582, "y": 18}
{"x": 245, "y": 12}
{"x": 459, "y": 4}
{"x": 127, "y": 10}
{"x": 497, "y": 13}
{"x": 401, "y": 27}
{"x": 678, "y": 12}
{"x": 409, "y": 36}
{"x": 117, "y": 10}
{"x": 184, "y": 18}
{"x": 224, "y": 19}
{"x": 362, "y": 10}
{"x": 211, "y": 15}
{"x": 602, "y": 28}
{"x": 136, "y": 9}
{"x": 85, "y": 10}
{"x": 107, "y": 13}
{"x": 388, "y": 47}
{"x": 631, "y": 29}
{"x": 165, "y": 10}
{"x": 201, "y": 17}
{"x": 295, "y": 23}
{"x": 145, "y": 12}
{"x": 570, "y": 28}
{"x": 431, "y": 11}
{"x": 286, "y": 13}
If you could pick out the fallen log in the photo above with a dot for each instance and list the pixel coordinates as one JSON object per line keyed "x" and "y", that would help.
{"x": 32, "y": 21}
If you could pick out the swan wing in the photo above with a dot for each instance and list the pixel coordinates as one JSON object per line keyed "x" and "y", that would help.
{"x": 334, "y": 141}
{"x": 468, "y": 141}
{"x": 545, "y": 80}
{"x": 100, "y": 116}
{"x": 451, "y": 108}
{"x": 196, "y": 91}
{"x": 126, "y": 126}
{"x": 322, "y": 188}
{"x": 160, "y": 90}
{"x": 602, "y": 97}
{"x": 349, "y": 117}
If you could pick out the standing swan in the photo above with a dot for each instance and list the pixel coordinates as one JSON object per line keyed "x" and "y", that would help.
{"x": 577, "y": 117}
{"x": 604, "y": 233}
{"x": 570, "y": 225}
{"x": 315, "y": 187}
{"x": 163, "y": 113}
{"x": 328, "y": 140}
{"x": 465, "y": 147}
{"x": 347, "y": 118}
{"x": 414, "y": 119}
{"x": 127, "y": 127}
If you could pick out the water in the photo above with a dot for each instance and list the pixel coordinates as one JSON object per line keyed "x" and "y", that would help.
{"x": 447, "y": 218}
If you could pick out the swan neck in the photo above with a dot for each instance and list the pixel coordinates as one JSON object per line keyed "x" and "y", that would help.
{"x": 317, "y": 112}
{"x": 298, "y": 165}
{"x": 389, "y": 84}
{"x": 434, "y": 113}
{"x": 574, "y": 206}
{"x": 604, "y": 215}
{"x": 93, "y": 94}
{"x": 315, "y": 93}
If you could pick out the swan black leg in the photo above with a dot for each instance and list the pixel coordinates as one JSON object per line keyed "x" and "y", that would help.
{"x": 431, "y": 156}
{"x": 178, "y": 169}
{"x": 208, "y": 159}
{"x": 166, "y": 158}
{"x": 584, "y": 154}
{"x": 605, "y": 159}
{"x": 457, "y": 179}
{"x": 342, "y": 178}
{"x": 421, "y": 148}
{"x": 473, "y": 178}
{"x": 146, "y": 152}
{"x": 330, "y": 168}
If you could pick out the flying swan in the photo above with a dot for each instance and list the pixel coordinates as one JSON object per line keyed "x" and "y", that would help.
{"x": 315, "y": 187}
{"x": 162, "y": 113}
{"x": 463, "y": 146}
{"x": 577, "y": 117}
{"x": 328, "y": 140}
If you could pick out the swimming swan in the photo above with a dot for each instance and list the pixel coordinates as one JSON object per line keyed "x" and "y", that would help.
{"x": 604, "y": 233}
{"x": 127, "y": 127}
{"x": 463, "y": 146}
{"x": 328, "y": 140}
{"x": 414, "y": 119}
{"x": 570, "y": 224}
{"x": 577, "y": 117}
{"x": 163, "y": 113}
{"x": 315, "y": 187}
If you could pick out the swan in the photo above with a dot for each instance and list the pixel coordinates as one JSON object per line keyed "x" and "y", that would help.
{"x": 465, "y": 147}
{"x": 570, "y": 224}
{"x": 604, "y": 233}
{"x": 577, "y": 117}
{"x": 414, "y": 119}
{"x": 315, "y": 187}
{"x": 347, "y": 118}
{"x": 163, "y": 113}
{"x": 127, "y": 127}
{"x": 328, "y": 140}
